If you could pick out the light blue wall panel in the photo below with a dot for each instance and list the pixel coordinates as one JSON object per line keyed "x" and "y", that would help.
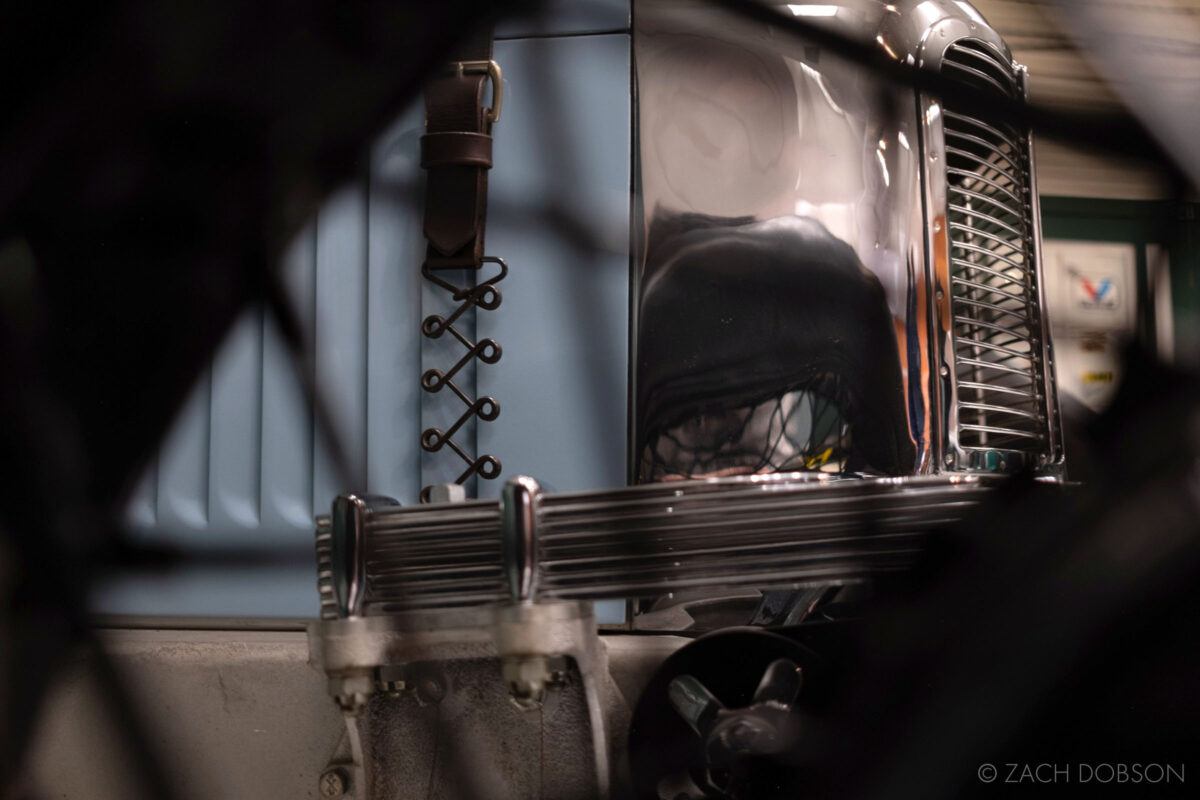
{"x": 395, "y": 250}
{"x": 243, "y": 463}
{"x": 287, "y": 435}
{"x": 340, "y": 329}
{"x": 235, "y": 431}
{"x": 560, "y": 17}
{"x": 143, "y": 506}
{"x": 181, "y": 502}
{"x": 562, "y": 147}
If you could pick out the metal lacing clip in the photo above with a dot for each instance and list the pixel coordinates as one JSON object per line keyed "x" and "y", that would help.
{"x": 483, "y": 295}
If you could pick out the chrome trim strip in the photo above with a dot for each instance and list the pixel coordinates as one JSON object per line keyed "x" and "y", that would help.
{"x": 1057, "y": 458}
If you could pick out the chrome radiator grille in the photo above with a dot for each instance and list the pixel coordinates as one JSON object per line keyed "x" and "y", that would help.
{"x": 997, "y": 328}
{"x": 643, "y": 541}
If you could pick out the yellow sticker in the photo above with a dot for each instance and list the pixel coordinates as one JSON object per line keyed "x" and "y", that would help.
{"x": 817, "y": 461}
{"x": 1097, "y": 377}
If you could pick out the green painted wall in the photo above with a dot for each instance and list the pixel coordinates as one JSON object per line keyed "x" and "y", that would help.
{"x": 1172, "y": 224}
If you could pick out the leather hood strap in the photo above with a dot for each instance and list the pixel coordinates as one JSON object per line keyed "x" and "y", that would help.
{"x": 456, "y": 152}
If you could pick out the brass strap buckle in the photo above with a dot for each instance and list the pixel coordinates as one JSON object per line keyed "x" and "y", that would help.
{"x": 493, "y": 71}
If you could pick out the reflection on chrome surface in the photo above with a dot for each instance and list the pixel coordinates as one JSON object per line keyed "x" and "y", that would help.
{"x": 765, "y": 346}
{"x": 803, "y": 429}
{"x": 782, "y": 320}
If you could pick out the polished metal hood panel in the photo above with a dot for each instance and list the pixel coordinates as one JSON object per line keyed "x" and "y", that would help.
{"x": 782, "y": 317}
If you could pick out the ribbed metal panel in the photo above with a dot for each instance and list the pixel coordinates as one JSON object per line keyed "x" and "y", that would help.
{"x": 650, "y": 540}
{"x": 1000, "y": 403}
{"x": 421, "y": 558}
{"x": 642, "y": 543}
{"x": 243, "y": 459}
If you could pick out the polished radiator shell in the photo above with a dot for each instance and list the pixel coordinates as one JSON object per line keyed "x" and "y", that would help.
{"x": 834, "y": 273}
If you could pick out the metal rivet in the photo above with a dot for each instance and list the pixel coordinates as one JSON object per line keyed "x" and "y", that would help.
{"x": 944, "y": 371}
{"x": 332, "y": 783}
{"x": 430, "y": 691}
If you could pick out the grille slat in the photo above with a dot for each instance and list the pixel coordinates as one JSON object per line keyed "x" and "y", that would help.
{"x": 983, "y": 387}
{"x": 997, "y": 330}
{"x": 1008, "y": 432}
{"x": 1008, "y": 352}
{"x": 967, "y": 52}
{"x": 1017, "y": 213}
{"x": 973, "y": 214}
{"x": 995, "y": 365}
{"x": 976, "y": 177}
{"x": 1022, "y": 317}
{"x": 989, "y": 166}
{"x": 979, "y": 232}
{"x": 990, "y": 326}
{"x": 979, "y": 75}
{"x": 989, "y": 147}
{"x": 1011, "y": 137}
{"x": 993, "y": 289}
{"x": 1000, "y": 409}
{"x": 1002, "y": 273}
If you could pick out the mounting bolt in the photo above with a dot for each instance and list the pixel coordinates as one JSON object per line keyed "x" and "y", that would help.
{"x": 526, "y": 677}
{"x": 332, "y": 783}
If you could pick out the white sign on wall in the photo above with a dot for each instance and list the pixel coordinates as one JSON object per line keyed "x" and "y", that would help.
{"x": 1091, "y": 285}
{"x": 1091, "y": 294}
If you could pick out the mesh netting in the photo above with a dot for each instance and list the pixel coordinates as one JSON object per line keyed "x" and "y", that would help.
{"x": 800, "y": 430}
